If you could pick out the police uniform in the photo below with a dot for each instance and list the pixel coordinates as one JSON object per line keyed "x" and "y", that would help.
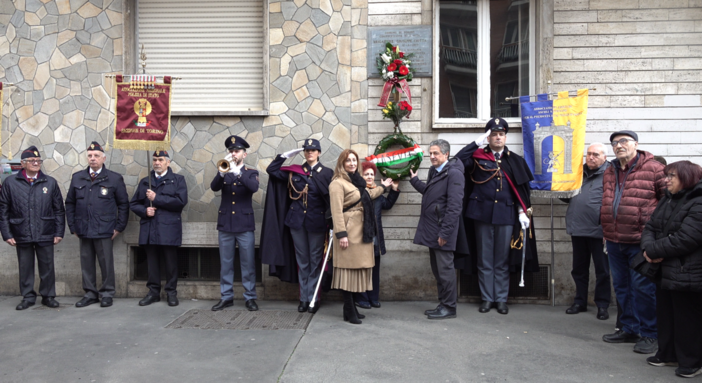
{"x": 97, "y": 206}
{"x": 309, "y": 193}
{"x": 236, "y": 224}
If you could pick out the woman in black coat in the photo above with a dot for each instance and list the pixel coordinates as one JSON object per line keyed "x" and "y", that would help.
{"x": 673, "y": 238}
{"x": 372, "y": 298}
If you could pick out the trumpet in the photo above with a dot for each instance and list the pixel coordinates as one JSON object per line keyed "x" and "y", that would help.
{"x": 226, "y": 164}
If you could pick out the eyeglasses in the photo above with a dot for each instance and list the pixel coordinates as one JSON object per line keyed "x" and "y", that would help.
{"x": 621, "y": 142}
{"x": 35, "y": 162}
{"x": 670, "y": 176}
{"x": 596, "y": 155}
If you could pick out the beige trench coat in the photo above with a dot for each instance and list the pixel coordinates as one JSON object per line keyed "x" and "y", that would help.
{"x": 358, "y": 255}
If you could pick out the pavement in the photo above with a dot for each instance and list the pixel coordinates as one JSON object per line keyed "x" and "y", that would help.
{"x": 396, "y": 343}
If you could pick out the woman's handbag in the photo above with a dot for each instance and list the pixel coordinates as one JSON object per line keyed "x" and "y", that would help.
{"x": 643, "y": 267}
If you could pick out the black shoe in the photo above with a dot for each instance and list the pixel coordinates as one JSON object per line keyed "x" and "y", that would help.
{"x": 251, "y": 305}
{"x": 86, "y": 302}
{"x": 443, "y": 313}
{"x": 358, "y": 315}
{"x": 363, "y": 305}
{"x": 576, "y": 308}
{"x": 485, "y": 307}
{"x": 106, "y": 302}
{"x": 620, "y": 336}
{"x": 646, "y": 345}
{"x": 24, "y": 305}
{"x": 434, "y": 310}
{"x": 688, "y": 372}
{"x": 173, "y": 300}
{"x": 149, "y": 299}
{"x": 602, "y": 313}
{"x": 49, "y": 302}
{"x": 502, "y": 308}
{"x": 375, "y": 304}
{"x": 314, "y": 309}
{"x": 303, "y": 306}
{"x": 222, "y": 304}
{"x": 653, "y": 361}
{"x": 349, "y": 309}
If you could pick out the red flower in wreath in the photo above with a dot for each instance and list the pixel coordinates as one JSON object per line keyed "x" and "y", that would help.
{"x": 394, "y": 49}
{"x": 402, "y": 54}
{"x": 404, "y": 71}
{"x": 392, "y": 67}
{"x": 404, "y": 105}
{"x": 397, "y": 62}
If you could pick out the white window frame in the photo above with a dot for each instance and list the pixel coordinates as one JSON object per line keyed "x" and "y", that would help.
{"x": 483, "y": 69}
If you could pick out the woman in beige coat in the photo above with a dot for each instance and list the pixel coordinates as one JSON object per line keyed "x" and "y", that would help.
{"x": 354, "y": 229}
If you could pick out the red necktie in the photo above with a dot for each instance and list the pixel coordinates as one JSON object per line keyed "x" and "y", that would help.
{"x": 93, "y": 176}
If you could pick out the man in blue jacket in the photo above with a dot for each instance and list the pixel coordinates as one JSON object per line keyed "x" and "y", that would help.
{"x": 97, "y": 209}
{"x": 161, "y": 229}
{"x": 236, "y": 224}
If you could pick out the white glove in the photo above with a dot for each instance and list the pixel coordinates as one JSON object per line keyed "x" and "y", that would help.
{"x": 524, "y": 220}
{"x": 221, "y": 174}
{"x": 292, "y": 153}
{"x": 482, "y": 140}
{"x": 236, "y": 170}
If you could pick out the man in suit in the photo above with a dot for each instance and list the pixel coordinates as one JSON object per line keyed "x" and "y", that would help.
{"x": 32, "y": 218}
{"x": 97, "y": 210}
{"x": 161, "y": 229}
{"x": 236, "y": 224}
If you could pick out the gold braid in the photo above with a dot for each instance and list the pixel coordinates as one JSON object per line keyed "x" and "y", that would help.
{"x": 291, "y": 189}
{"x": 495, "y": 173}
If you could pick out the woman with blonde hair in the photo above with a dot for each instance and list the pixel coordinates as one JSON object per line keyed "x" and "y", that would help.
{"x": 354, "y": 228}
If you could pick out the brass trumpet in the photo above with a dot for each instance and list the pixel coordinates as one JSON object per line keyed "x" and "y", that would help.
{"x": 226, "y": 164}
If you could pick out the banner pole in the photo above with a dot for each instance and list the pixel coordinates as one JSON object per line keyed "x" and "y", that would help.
{"x": 553, "y": 259}
{"x": 148, "y": 163}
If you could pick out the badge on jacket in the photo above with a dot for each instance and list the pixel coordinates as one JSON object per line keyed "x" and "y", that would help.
{"x": 45, "y": 190}
{"x": 103, "y": 191}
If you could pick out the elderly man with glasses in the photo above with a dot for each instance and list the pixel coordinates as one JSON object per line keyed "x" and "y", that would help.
{"x": 632, "y": 187}
{"x": 32, "y": 219}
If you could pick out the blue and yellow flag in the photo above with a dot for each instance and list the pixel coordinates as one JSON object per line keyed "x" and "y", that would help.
{"x": 554, "y": 141}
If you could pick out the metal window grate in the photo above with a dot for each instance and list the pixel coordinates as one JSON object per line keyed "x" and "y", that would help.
{"x": 536, "y": 285}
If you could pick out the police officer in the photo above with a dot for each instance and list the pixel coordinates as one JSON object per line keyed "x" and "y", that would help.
{"x": 161, "y": 229}
{"x": 498, "y": 189}
{"x": 32, "y": 218}
{"x": 97, "y": 209}
{"x": 309, "y": 194}
{"x": 236, "y": 224}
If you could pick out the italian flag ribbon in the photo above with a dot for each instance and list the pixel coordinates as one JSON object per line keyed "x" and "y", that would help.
{"x": 397, "y": 156}
{"x": 401, "y": 85}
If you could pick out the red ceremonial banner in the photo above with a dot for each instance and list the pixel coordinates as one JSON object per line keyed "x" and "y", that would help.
{"x": 143, "y": 116}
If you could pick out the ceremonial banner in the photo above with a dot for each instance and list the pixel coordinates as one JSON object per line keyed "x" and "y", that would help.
{"x": 143, "y": 113}
{"x": 554, "y": 141}
{"x": 2, "y": 102}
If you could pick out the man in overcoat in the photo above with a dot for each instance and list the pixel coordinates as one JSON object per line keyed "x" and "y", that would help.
{"x": 161, "y": 229}
{"x": 442, "y": 198}
{"x": 32, "y": 218}
{"x": 236, "y": 224}
{"x": 498, "y": 203}
{"x": 97, "y": 210}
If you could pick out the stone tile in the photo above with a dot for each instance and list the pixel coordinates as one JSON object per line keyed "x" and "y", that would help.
{"x": 335, "y": 22}
{"x": 90, "y": 51}
{"x": 316, "y": 53}
{"x": 343, "y": 50}
{"x": 301, "y": 132}
{"x": 59, "y": 61}
{"x": 302, "y": 93}
{"x": 28, "y": 66}
{"x": 316, "y": 40}
{"x": 281, "y": 131}
{"x": 64, "y": 6}
{"x": 276, "y": 20}
{"x": 65, "y": 36}
{"x": 93, "y": 110}
{"x": 107, "y": 51}
{"x": 359, "y": 73}
{"x": 297, "y": 49}
{"x": 290, "y": 41}
{"x": 337, "y": 5}
{"x": 31, "y": 19}
{"x": 26, "y": 47}
{"x": 343, "y": 78}
{"x": 73, "y": 119}
{"x": 324, "y": 30}
{"x": 313, "y": 72}
{"x": 50, "y": 106}
{"x": 76, "y": 22}
{"x": 290, "y": 27}
{"x": 358, "y": 58}
{"x": 306, "y": 31}
{"x": 289, "y": 123}
{"x": 105, "y": 120}
{"x": 283, "y": 83}
{"x": 89, "y": 10}
{"x": 82, "y": 36}
{"x": 302, "y": 14}
{"x": 98, "y": 65}
{"x": 274, "y": 7}
{"x": 317, "y": 108}
{"x": 114, "y": 17}
{"x": 290, "y": 101}
{"x": 35, "y": 124}
{"x": 276, "y": 36}
{"x": 284, "y": 63}
{"x": 299, "y": 79}
{"x": 326, "y": 80}
{"x": 70, "y": 47}
{"x": 77, "y": 59}
{"x": 103, "y": 20}
{"x": 36, "y": 33}
{"x": 288, "y": 9}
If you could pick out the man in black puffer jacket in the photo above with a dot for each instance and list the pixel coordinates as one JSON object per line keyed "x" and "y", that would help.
{"x": 32, "y": 218}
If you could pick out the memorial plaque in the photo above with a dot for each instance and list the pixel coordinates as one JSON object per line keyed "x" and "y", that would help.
{"x": 414, "y": 39}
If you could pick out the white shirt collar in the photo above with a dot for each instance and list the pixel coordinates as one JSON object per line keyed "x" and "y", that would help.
{"x": 96, "y": 171}
{"x": 162, "y": 174}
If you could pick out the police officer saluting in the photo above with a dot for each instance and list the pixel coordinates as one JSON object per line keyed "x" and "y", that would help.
{"x": 161, "y": 229}
{"x": 236, "y": 224}
{"x": 97, "y": 209}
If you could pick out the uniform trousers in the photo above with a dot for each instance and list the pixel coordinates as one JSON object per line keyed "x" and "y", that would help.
{"x": 100, "y": 248}
{"x": 309, "y": 250}
{"x": 45, "y": 263}
{"x": 679, "y": 331}
{"x": 445, "y": 275}
{"x": 493, "y": 260}
{"x": 583, "y": 248}
{"x": 227, "y": 244}
{"x": 170, "y": 256}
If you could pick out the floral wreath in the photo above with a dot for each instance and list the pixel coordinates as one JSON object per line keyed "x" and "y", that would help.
{"x": 395, "y": 67}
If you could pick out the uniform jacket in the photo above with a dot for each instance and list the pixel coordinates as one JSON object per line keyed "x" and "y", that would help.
{"x": 31, "y": 213}
{"x": 643, "y": 187}
{"x": 311, "y": 217}
{"x": 442, "y": 200}
{"x": 96, "y": 209}
{"x": 165, "y": 227}
{"x": 358, "y": 255}
{"x": 236, "y": 213}
{"x": 681, "y": 249}
{"x": 379, "y": 204}
{"x": 583, "y": 215}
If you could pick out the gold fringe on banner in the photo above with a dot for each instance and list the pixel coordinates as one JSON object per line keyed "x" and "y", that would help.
{"x": 2, "y": 103}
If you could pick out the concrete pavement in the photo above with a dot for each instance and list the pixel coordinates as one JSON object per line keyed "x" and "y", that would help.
{"x": 128, "y": 343}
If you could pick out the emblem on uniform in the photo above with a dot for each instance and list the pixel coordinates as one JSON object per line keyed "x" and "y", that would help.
{"x": 319, "y": 169}
{"x": 45, "y": 190}
{"x": 36, "y": 153}
{"x": 92, "y": 146}
{"x": 103, "y": 191}
{"x": 497, "y": 120}
{"x": 309, "y": 142}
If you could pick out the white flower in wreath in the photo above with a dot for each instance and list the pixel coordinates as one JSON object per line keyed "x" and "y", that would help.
{"x": 391, "y": 74}
{"x": 385, "y": 58}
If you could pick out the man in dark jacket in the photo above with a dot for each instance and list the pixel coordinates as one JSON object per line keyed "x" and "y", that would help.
{"x": 442, "y": 200}
{"x": 161, "y": 229}
{"x": 499, "y": 200}
{"x": 583, "y": 225}
{"x": 632, "y": 187}
{"x": 32, "y": 218}
{"x": 236, "y": 224}
{"x": 97, "y": 209}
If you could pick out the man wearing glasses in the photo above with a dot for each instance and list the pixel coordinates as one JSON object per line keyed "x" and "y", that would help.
{"x": 32, "y": 218}
{"x": 632, "y": 187}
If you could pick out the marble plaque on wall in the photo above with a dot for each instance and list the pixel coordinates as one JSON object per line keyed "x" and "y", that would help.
{"x": 415, "y": 39}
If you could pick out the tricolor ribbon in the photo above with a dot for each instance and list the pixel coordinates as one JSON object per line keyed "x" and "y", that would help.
{"x": 388, "y": 87}
{"x": 397, "y": 156}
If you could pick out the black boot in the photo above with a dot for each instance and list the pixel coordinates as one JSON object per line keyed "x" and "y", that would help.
{"x": 358, "y": 315}
{"x": 349, "y": 309}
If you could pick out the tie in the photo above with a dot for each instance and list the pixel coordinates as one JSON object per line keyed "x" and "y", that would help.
{"x": 31, "y": 181}
{"x": 497, "y": 156}
{"x": 93, "y": 176}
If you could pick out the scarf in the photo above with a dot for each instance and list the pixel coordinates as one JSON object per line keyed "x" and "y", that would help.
{"x": 367, "y": 203}
{"x": 370, "y": 185}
